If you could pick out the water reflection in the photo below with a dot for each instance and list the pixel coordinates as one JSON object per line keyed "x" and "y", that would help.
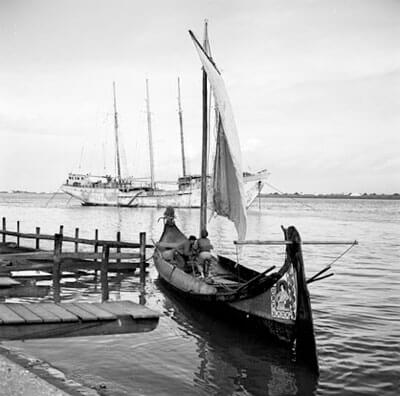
{"x": 235, "y": 362}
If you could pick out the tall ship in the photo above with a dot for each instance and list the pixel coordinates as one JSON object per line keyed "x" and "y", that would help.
{"x": 115, "y": 190}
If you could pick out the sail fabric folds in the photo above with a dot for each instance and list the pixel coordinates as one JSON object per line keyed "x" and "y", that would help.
{"x": 228, "y": 191}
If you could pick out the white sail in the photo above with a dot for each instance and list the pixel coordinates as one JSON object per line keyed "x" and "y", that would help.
{"x": 229, "y": 198}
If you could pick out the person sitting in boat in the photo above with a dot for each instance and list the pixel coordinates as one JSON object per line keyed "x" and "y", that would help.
{"x": 169, "y": 254}
{"x": 183, "y": 255}
{"x": 188, "y": 253}
{"x": 203, "y": 247}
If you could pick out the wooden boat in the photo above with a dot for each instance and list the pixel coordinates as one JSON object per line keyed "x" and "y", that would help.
{"x": 276, "y": 301}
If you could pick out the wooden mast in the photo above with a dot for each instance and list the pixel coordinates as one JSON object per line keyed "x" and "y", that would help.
{"x": 181, "y": 129}
{"x": 116, "y": 136}
{"x": 150, "y": 135}
{"x": 203, "y": 199}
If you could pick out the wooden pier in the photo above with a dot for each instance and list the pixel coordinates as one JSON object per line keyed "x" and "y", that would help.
{"x": 106, "y": 256}
{"x": 48, "y": 319}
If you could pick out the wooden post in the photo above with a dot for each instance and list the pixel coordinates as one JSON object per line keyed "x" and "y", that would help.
{"x": 96, "y": 249}
{"x": 119, "y": 248}
{"x": 142, "y": 238}
{"x": 18, "y": 235}
{"x": 76, "y": 236}
{"x": 104, "y": 273}
{"x": 204, "y": 156}
{"x": 4, "y": 229}
{"x": 57, "y": 267}
{"x": 61, "y": 229}
{"x": 37, "y": 246}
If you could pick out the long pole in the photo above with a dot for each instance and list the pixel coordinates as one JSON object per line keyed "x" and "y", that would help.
{"x": 181, "y": 129}
{"x": 116, "y": 136}
{"x": 203, "y": 207}
{"x": 150, "y": 135}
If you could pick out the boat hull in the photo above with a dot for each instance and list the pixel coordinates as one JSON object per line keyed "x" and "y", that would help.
{"x": 248, "y": 321}
{"x": 253, "y": 310}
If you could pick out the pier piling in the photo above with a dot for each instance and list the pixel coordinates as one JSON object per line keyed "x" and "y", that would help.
{"x": 37, "y": 243}
{"x": 118, "y": 247}
{"x": 4, "y": 229}
{"x": 18, "y": 234}
{"x": 96, "y": 249}
{"x": 142, "y": 239}
{"x": 104, "y": 273}
{"x": 76, "y": 242}
{"x": 57, "y": 267}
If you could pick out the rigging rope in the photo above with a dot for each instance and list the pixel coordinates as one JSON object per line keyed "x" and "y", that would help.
{"x": 341, "y": 255}
{"x": 317, "y": 277}
{"x": 293, "y": 199}
{"x": 54, "y": 194}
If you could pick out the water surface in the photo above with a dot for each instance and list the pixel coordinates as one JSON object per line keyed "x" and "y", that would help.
{"x": 356, "y": 312}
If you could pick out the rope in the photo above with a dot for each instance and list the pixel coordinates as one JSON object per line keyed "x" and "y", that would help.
{"x": 237, "y": 255}
{"x": 293, "y": 199}
{"x": 69, "y": 200}
{"x": 54, "y": 194}
{"x": 341, "y": 255}
{"x": 237, "y": 261}
{"x": 326, "y": 268}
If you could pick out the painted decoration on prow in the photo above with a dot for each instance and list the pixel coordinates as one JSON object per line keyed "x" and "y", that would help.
{"x": 284, "y": 296}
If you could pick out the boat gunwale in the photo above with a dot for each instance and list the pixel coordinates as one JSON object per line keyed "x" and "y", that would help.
{"x": 264, "y": 284}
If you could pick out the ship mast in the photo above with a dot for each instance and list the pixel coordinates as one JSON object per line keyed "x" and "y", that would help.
{"x": 150, "y": 135}
{"x": 116, "y": 136}
{"x": 203, "y": 198}
{"x": 181, "y": 129}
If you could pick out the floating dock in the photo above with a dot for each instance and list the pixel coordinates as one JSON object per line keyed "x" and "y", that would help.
{"x": 74, "y": 319}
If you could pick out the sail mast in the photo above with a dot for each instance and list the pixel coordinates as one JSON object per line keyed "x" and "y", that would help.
{"x": 116, "y": 136}
{"x": 150, "y": 135}
{"x": 181, "y": 129}
{"x": 203, "y": 199}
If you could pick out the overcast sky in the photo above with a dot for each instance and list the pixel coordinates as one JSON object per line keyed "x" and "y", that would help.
{"x": 315, "y": 87}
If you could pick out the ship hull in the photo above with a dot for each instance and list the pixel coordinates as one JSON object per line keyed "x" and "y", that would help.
{"x": 112, "y": 196}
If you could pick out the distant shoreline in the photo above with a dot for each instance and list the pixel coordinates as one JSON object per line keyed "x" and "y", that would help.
{"x": 395, "y": 196}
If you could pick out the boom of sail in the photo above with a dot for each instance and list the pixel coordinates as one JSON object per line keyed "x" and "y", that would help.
{"x": 228, "y": 191}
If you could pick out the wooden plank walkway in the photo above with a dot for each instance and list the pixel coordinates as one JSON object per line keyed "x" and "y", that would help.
{"x": 46, "y": 319}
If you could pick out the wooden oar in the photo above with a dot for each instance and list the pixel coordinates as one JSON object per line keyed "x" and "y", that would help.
{"x": 318, "y": 279}
{"x": 318, "y": 274}
{"x": 255, "y": 278}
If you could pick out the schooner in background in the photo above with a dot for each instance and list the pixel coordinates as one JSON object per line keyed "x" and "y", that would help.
{"x": 107, "y": 190}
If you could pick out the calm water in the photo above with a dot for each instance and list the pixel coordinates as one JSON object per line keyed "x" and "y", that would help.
{"x": 356, "y": 312}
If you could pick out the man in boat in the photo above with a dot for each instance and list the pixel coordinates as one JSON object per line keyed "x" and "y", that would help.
{"x": 203, "y": 247}
{"x": 183, "y": 255}
{"x": 188, "y": 252}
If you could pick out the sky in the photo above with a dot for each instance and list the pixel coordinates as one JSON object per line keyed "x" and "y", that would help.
{"x": 314, "y": 84}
